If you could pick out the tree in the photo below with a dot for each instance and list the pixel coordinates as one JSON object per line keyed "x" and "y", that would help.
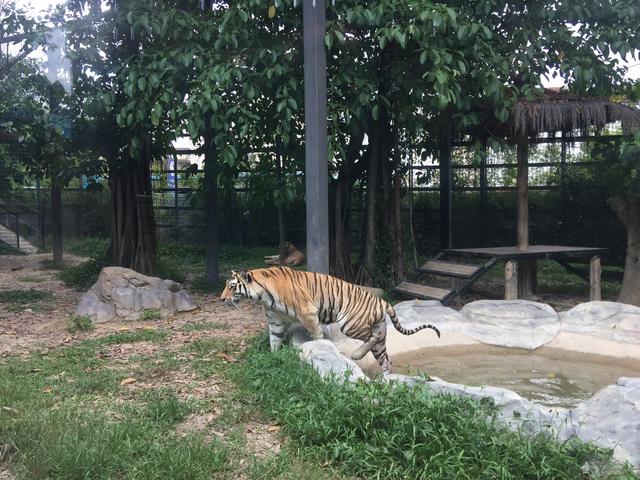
{"x": 621, "y": 175}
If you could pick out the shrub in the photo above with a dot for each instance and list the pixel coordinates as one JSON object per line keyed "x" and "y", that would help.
{"x": 80, "y": 323}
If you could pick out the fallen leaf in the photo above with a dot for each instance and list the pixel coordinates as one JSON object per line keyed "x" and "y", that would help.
{"x": 123, "y": 329}
{"x": 10, "y": 410}
{"x": 47, "y": 390}
{"x": 128, "y": 381}
{"x": 35, "y": 370}
{"x": 226, "y": 357}
{"x": 273, "y": 428}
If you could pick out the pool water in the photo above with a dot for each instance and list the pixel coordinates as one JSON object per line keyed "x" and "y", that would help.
{"x": 547, "y": 376}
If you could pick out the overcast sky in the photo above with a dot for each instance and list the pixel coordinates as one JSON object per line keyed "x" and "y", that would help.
{"x": 36, "y": 5}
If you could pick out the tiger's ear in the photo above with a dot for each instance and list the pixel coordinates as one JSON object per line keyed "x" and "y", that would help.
{"x": 233, "y": 273}
{"x": 245, "y": 276}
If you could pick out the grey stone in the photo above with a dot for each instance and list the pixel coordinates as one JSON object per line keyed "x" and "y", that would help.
{"x": 414, "y": 313}
{"x": 607, "y": 320}
{"x": 184, "y": 302}
{"x": 327, "y": 360}
{"x": 511, "y": 323}
{"x": 611, "y": 419}
{"x": 123, "y": 293}
{"x": 91, "y": 305}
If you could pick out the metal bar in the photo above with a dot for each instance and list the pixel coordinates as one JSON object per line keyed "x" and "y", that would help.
{"x": 315, "y": 132}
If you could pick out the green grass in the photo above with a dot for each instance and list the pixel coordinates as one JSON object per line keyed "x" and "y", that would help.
{"x": 375, "y": 430}
{"x": 61, "y": 420}
{"x": 17, "y": 300}
{"x": 79, "y": 323}
{"x": 148, "y": 314}
{"x": 201, "y": 326}
{"x": 32, "y": 279}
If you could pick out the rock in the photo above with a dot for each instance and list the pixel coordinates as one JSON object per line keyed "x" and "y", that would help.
{"x": 325, "y": 358}
{"x": 124, "y": 293}
{"x": 511, "y": 323}
{"x": 414, "y": 313}
{"x": 611, "y": 419}
{"x": 607, "y": 320}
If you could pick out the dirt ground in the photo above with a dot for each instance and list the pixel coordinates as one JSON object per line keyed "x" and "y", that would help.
{"x": 43, "y": 327}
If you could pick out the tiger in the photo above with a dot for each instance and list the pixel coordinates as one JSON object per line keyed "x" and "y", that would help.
{"x": 316, "y": 299}
{"x": 291, "y": 256}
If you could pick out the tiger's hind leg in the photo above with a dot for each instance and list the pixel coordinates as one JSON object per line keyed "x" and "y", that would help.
{"x": 379, "y": 351}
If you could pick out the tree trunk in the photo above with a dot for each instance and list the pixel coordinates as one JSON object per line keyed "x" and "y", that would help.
{"x": 133, "y": 238}
{"x": 350, "y": 171}
{"x": 373, "y": 181}
{"x": 211, "y": 205}
{"x": 56, "y": 222}
{"x": 627, "y": 208}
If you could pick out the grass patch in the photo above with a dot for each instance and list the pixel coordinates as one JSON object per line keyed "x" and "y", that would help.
{"x": 201, "y": 326}
{"x": 32, "y": 279}
{"x": 375, "y": 430}
{"x": 18, "y": 300}
{"x": 79, "y": 323}
{"x": 148, "y": 314}
{"x": 6, "y": 249}
{"x": 61, "y": 420}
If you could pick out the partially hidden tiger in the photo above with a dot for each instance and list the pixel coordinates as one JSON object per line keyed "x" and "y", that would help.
{"x": 314, "y": 299}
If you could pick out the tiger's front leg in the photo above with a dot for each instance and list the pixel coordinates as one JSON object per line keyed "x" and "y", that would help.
{"x": 277, "y": 328}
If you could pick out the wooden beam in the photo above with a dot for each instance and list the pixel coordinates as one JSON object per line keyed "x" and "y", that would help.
{"x": 511, "y": 280}
{"x": 595, "y": 270}
{"x": 315, "y": 134}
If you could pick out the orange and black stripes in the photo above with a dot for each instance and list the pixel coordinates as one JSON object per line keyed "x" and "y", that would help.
{"x": 316, "y": 299}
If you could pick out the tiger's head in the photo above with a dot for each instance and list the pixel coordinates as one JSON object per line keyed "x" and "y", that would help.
{"x": 237, "y": 287}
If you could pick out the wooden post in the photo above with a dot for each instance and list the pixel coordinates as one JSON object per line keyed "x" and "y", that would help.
{"x": 511, "y": 280}
{"x": 446, "y": 180}
{"x": 526, "y": 268}
{"x": 595, "y": 270}
{"x": 315, "y": 134}
{"x": 523, "y": 194}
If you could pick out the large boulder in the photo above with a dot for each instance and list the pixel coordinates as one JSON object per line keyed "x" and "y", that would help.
{"x": 126, "y": 294}
{"x": 606, "y": 320}
{"x": 611, "y": 419}
{"x": 511, "y": 323}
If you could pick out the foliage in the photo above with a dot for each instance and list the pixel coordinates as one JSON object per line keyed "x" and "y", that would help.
{"x": 17, "y": 300}
{"x": 148, "y": 314}
{"x": 80, "y": 323}
{"x": 379, "y": 430}
{"x": 83, "y": 275}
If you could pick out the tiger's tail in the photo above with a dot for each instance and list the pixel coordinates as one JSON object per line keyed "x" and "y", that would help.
{"x": 404, "y": 331}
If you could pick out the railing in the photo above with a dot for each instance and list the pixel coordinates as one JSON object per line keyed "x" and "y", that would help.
{"x": 21, "y": 222}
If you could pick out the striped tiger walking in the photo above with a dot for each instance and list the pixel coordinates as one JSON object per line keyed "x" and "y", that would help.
{"x": 315, "y": 299}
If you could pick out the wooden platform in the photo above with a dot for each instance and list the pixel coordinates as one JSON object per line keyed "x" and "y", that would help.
{"x": 461, "y": 271}
{"x": 533, "y": 252}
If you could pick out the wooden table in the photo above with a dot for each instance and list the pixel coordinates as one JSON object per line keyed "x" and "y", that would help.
{"x": 511, "y": 256}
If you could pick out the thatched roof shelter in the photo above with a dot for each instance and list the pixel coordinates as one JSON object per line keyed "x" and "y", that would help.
{"x": 563, "y": 111}
{"x": 550, "y": 112}
{"x": 558, "y": 111}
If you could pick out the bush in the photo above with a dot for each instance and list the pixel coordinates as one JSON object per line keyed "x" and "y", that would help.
{"x": 84, "y": 275}
{"x": 80, "y": 323}
{"x": 378, "y": 430}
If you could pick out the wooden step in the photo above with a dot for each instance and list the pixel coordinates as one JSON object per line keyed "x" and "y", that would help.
{"x": 421, "y": 291}
{"x": 448, "y": 269}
